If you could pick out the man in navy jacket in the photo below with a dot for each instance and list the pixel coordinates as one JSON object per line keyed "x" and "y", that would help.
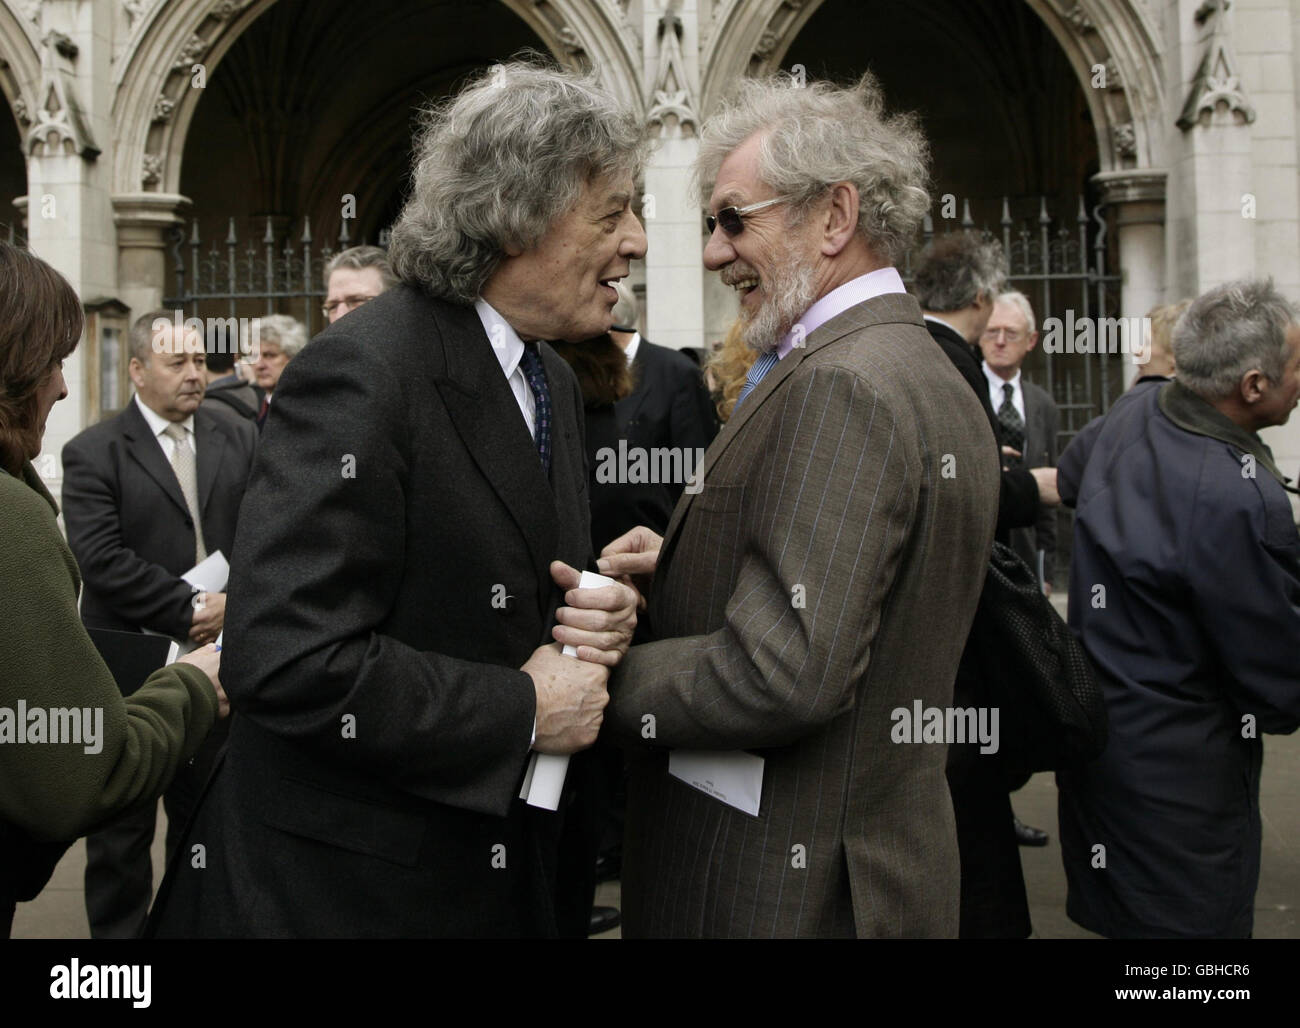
{"x": 1186, "y": 594}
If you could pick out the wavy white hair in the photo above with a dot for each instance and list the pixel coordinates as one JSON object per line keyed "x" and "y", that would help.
{"x": 495, "y": 166}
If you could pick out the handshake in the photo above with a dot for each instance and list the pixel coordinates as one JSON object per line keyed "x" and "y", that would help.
{"x": 598, "y": 623}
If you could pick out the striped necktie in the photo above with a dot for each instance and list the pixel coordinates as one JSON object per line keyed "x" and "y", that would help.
{"x": 758, "y": 370}
{"x": 184, "y": 466}
{"x": 535, "y": 374}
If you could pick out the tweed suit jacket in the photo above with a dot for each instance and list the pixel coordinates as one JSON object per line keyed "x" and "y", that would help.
{"x": 826, "y": 573}
{"x": 1041, "y": 423}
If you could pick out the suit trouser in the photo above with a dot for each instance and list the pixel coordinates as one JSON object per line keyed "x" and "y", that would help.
{"x": 119, "y": 869}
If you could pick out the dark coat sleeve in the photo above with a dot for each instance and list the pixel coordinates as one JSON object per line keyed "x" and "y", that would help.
{"x": 1018, "y": 494}
{"x": 143, "y": 593}
{"x": 1070, "y": 468}
{"x": 1046, "y": 524}
{"x": 1243, "y": 565}
{"x": 319, "y": 558}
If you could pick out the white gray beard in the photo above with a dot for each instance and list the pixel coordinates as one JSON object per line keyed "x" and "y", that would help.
{"x": 790, "y": 294}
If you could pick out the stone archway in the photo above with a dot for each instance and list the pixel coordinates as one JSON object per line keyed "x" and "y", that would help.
{"x": 20, "y": 76}
{"x": 156, "y": 100}
{"x": 749, "y": 37}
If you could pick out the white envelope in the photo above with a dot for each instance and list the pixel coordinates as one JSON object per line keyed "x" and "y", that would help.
{"x": 732, "y": 776}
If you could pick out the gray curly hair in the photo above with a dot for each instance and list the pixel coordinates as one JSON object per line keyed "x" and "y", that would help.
{"x": 288, "y": 333}
{"x": 1230, "y": 330}
{"x": 495, "y": 166}
{"x": 820, "y": 134}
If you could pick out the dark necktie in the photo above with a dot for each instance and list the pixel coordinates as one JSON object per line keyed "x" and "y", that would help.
{"x": 263, "y": 410}
{"x": 1013, "y": 425}
{"x": 531, "y": 362}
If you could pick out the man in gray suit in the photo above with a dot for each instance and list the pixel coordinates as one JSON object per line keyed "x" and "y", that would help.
{"x": 818, "y": 588}
{"x": 1028, "y": 416}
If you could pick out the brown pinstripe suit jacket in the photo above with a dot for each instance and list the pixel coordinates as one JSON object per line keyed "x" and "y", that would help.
{"x": 830, "y": 476}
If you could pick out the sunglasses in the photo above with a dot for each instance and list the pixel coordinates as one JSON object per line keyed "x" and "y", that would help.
{"x": 732, "y": 218}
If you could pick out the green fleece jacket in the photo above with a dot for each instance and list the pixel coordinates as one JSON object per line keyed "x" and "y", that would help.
{"x": 57, "y": 791}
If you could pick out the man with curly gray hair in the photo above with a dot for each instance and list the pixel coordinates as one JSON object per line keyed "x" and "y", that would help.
{"x": 846, "y": 509}
{"x": 417, "y": 521}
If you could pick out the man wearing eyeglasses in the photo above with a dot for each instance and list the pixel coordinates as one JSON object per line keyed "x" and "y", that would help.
{"x": 825, "y": 572}
{"x": 1028, "y": 416}
{"x": 354, "y": 277}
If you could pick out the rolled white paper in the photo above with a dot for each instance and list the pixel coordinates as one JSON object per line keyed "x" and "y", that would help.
{"x": 544, "y": 779}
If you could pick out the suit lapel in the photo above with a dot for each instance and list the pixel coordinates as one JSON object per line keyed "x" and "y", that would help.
{"x": 211, "y": 446}
{"x": 492, "y": 429}
{"x": 628, "y": 408}
{"x": 145, "y": 451}
{"x": 891, "y": 307}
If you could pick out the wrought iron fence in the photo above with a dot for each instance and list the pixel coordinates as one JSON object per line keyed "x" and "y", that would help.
{"x": 1061, "y": 269}
{"x": 233, "y": 277}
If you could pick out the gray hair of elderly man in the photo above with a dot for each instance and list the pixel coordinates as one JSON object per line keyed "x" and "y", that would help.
{"x": 498, "y": 163}
{"x": 1015, "y": 298}
{"x": 820, "y": 134}
{"x": 360, "y": 257}
{"x": 956, "y": 269}
{"x": 1230, "y": 330}
{"x": 287, "y": 333}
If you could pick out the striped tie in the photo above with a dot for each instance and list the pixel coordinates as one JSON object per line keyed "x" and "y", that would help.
{"x": 531, "y": 362}
{"x": 183, "y": 465}
{"x": 766, "y": 361}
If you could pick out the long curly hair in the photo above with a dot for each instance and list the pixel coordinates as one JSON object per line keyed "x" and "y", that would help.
{"x": 726, "y": 369}
{"x": 40, "y": 325}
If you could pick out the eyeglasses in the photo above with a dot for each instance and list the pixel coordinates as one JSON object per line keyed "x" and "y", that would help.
{"x": 350, "y": 302}
{"x": 1011, "y": 335}
{"x": 732, "y": 218}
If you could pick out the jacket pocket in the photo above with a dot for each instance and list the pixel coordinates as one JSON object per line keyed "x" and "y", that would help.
{"x": 346, "y": 822}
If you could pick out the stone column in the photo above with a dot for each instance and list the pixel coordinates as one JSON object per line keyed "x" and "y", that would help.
{"x": 144, "y": 225}
{"x": 674, "y": 272}
{"x": 69, "y": 214}
{"x": 1139, "y": 199}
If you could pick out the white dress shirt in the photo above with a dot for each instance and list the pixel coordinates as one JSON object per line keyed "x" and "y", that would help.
{"x": 996, "y": 395}
{"x": 158, "y": 424}
{"x": 509, "y": 350}
{"x": 632, "y": 348}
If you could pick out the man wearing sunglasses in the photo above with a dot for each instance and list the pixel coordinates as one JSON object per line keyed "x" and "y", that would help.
{"x": 824, "y": 575}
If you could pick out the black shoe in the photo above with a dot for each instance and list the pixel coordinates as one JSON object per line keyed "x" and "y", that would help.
{"x": 1027, "y": 836}
{"x": 609, "y": 866}
{"x": 604, "y": 919}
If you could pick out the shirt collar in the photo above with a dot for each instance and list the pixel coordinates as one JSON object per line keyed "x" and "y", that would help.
{"x": 506, "y": 344}
{"x": 632, "y": 347}
{"x": 945, "y": 324}
{"x": 1191, "y": 413}
{"x": 838, "y": 300}
{"x": 997, "y": 381}
{"x": 157, "y": 423}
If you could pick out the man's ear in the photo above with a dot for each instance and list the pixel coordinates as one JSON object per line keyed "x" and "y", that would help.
{"x": 136, "y": 370}
{"x": 1033, "y": 341}
{"x": 841, "y": 218}
{"x": 1253, "y": 386}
